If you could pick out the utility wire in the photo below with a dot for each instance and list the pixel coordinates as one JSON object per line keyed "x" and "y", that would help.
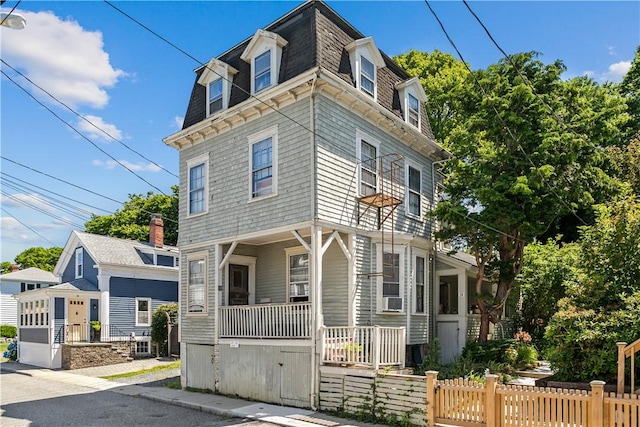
{"x": 36, "y": 208}
{"x": 77, "y": 186}
{"x": 504, "y": 124}
{"x": 25, "y": 225}
{"x": 87, "y": 120}
{"x": 10, "y": 12}
{"x": 80, "y": 133}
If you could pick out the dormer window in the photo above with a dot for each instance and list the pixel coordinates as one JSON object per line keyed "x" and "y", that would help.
{"x": 215, "y": 96}
{"x": 262, "y": 67}
{"x": 411, "y": 95}
{"x": 79, "y": 263}
{"x": 264, "y": 53}
{"x": 365, "y": 61}
{"x": 217, "y": 77}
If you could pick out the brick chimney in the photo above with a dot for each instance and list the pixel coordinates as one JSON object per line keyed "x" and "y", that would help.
{"x": 156, "y": 231}
{"x": 14, "y": 268}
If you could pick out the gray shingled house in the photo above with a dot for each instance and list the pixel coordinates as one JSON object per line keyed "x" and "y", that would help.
{"x": 114, "y": 281}
{"x": 307, "y": 166}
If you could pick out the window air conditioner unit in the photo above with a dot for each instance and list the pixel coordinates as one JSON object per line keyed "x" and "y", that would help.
{"x": 392, "y": 303}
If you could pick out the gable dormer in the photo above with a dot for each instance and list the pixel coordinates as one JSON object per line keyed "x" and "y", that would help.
{"x": 412, "y": 96}
{"x": 217, "y": 78}
{"x": 365, "y": 61}
{"x": 264, "y": 53}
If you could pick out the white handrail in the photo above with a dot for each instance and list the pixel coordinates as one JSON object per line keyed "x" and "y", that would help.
{"x": 291, "y": 320}
{"x": 373, "y": 346}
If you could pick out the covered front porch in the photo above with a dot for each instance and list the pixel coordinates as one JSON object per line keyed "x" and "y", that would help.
{"x": 297, "y": 287}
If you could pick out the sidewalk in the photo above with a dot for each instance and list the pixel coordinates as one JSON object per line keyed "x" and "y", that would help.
{"x": 211, "y": 403}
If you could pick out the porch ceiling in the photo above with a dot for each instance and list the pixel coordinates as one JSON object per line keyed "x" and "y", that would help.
{"x": 271, "y": 238}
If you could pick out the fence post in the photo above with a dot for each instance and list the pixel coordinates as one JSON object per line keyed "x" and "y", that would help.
{"x": 432, "y": 378}
{"x": 490, "y": 400}
{"x": 621, "y": 346}
{"x": 597, "y": 403}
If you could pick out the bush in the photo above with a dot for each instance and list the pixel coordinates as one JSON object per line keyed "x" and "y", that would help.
{"x": 159, "y": 331}
{"x": 8, "y": 331}
{"x": 12, "y": 351}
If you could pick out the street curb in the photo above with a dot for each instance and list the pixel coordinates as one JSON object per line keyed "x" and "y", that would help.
{"x": 195, "y": 406}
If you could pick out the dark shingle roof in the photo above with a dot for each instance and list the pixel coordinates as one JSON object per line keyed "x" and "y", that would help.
{"x": 316, "y": 36}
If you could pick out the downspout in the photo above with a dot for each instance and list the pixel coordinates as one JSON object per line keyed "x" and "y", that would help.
{"x": 315, "y": 365}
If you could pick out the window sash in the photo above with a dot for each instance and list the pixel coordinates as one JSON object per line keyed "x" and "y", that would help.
{"x": 262, "y": 71}
{"x": 143, "y": 312}
{"x": 299, "y": 277}
{"x": 414, "y": 111}
{"x": 196, "y": 286}
{"x": 414, "y": 185}
{"x": 215, "y": 96}
{"x": 262, "y": 167}
{"x": 391, "y": 274}
{"x": 79, "y": 263}
{"x": 196, "y": 189}
{"x": 367, "y": 75}
{"x": 368, "y": 169}
{"x": 420, "y": 284}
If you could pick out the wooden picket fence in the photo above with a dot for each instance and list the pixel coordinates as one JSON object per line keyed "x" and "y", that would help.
{"x": 427, "y": 401}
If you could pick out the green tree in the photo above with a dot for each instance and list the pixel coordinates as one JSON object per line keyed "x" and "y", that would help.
{"x": 39, "y": 257}
{"x": 624, "y": 163}
{"x": 630, "y": 89}
{"x": 546, "y": 268}
{"x": 5, "y": 267}
{"x": 603, "y": 302}
{"x": 525, "y": 155}
{"x": 132, "y": 221}
{"x": 445, "y": 82}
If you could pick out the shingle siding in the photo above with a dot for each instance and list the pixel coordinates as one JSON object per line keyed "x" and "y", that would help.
{"x": 229, "y": 179}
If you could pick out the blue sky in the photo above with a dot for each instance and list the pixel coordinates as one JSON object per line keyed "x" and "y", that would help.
{"x": 135, "y": 86}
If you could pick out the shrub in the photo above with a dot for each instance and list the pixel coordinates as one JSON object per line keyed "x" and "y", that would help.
{"x": 159, "y": 331}
{"x": 8, "y": 331}
{"x": 12, "y": 351}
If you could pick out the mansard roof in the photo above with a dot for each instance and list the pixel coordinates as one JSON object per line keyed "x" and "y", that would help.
{"x": 316, "y": 37}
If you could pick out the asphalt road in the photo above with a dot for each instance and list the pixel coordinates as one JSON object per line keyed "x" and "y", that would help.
{"x": 29, "y": 401}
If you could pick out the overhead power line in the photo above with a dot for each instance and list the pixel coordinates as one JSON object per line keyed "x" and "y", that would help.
{"x": 26, "y": 226}
{"x": 79, "y": 133}
{"x": 504, "y": 124}
{"x": 87, "y": 120}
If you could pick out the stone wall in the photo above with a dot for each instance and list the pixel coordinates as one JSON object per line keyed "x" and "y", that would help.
{"x": 86, "y": 355}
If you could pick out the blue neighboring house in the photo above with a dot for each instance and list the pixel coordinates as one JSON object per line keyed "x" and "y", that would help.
{"x": 114, "y": 281}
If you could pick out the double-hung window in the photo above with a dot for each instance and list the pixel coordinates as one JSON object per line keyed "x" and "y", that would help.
{"x": 367, "y": 76}
{"x": 413, "y": 112}
{"x": 368, "y": 168}
{"x": 79, "y": 263}
{"x": 143, "y": 311}
{"x": 262, "y": 71}
{"x": 215, "y": 96}
{"x": 197, "y": 181}
{"x": 298, "y": 276}
{"x": 263, "y": 160}
{"x": 414, "y": 191}
{"x": 391, "y": 274}
{"x": 196, "y": 287}
{"x": 420, "y": 283}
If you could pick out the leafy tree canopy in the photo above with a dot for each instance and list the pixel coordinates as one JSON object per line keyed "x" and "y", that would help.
{"x": 5, "y": 267}
{"x": 132, "y": 221}
{"x": 527, "y": 150}
{"x": 39, "y": 257}
{"x": 630, "y": 88}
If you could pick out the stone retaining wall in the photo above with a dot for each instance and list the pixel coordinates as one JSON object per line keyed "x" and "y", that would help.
{"x": 87, "y": 355}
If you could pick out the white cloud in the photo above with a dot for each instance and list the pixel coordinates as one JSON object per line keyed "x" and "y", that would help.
{"x": 27, "y": 201}
{"x": 93, "y": 130}
{"x": 136, "y": 167}
{"x": 13, "y": 231}
{"x": 612, "y": 50}
{"x": 615, "y": 72}
{"x": 63, "y": 58}
{"x": 178, "y": 122}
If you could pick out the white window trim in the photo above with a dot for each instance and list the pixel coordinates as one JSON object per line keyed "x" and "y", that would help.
{"x": 196, "y": 256}
{"x": 40, "y": 316}
{"x": 248, "y": 261}
{"x": 423, "y": 254}
{"x": 360, "y": 136}
{"x": 296, "y": 250}
{"x": 79, "y": 256}
{"x": 222, "y": 97}
{"x": 213, "y": 71}
{"x": 420, "y": 216}
{"x": 414, "y": 88}
{"x": 408, "y": 110}
{"x": 150, "y": 311}
{"x": 261, "y": 42}
{"x": 196, "y": 161}
{"x": 365, "y": 47}
{"x": 400, "y": 250}
{"x": 272, "y": 133}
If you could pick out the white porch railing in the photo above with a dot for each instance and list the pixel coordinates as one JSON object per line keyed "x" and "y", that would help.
{"x": 283, "y": 321}
{"x": 373, "y": 346}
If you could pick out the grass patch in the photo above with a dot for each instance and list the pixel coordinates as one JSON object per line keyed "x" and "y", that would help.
{"x": 172, "y": 365}
{"x": 174, "y": 384}
{"x": 3, "y": 348}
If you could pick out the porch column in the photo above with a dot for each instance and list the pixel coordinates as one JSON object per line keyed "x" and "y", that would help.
{"x": 217, "y": 282}
{"x": 351, "y": 280}
{"x": 103, "y": 308}
{"x": 315, "y": 285}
